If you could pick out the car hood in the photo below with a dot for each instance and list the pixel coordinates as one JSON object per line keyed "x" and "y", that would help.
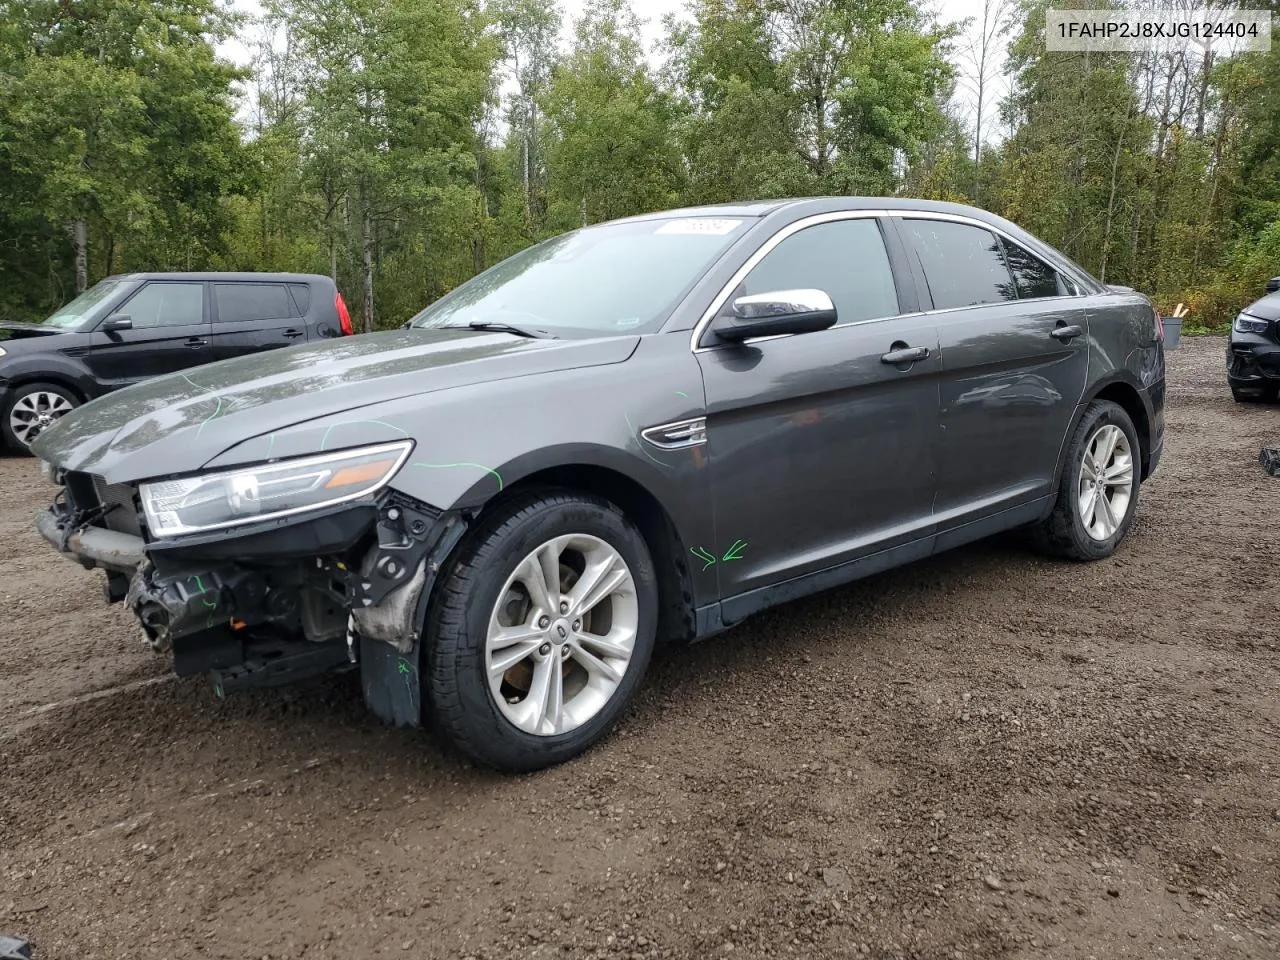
{"x": 28, "y": 335}
{"x": 178, "y": 423}
{"x": 1268, "y": 308}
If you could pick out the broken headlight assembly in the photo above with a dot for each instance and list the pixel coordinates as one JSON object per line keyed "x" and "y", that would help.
{"x": 1247, "y": 324}
{"x": 266, "y": 491}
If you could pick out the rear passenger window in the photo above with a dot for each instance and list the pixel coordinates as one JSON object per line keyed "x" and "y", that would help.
{"x": 1033, "y": 276}
{"x": 844, "y": 258}
{"x": 963, "y": 265}
{"x": 252, "y": 301}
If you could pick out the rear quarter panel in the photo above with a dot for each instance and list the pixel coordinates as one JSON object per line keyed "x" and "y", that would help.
{"x": 1124, "y": 347}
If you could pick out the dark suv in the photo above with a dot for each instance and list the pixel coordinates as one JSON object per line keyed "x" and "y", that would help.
{"x": 128, "y": 328}
{"x": 1253, "y": 349}
{"x": 644, "y": 429}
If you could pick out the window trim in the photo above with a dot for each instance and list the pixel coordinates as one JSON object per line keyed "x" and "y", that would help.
{"x": 122, "y": 306}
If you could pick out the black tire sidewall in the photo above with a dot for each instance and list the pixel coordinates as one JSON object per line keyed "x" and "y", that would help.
{"x": 1100, "y": 413}
{"x": 10, "y": 440}
{"x": 457, "y": 645}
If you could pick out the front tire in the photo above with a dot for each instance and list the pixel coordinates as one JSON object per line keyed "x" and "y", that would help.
{"x": 32, "y": 409}
{"x": 542, "y": 631}
{"x": 1098, "y": 491}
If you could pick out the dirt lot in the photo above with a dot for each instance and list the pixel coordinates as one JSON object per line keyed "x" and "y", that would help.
{"x": 985, "y": 755}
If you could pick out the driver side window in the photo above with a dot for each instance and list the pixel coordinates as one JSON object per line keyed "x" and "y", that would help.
{"x": 846, "y": 259}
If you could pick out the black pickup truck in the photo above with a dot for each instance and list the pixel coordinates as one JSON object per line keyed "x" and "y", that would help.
{"x": 128, "y": 328}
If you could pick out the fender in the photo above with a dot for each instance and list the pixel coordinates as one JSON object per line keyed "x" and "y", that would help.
{"x": 51, "y": 368}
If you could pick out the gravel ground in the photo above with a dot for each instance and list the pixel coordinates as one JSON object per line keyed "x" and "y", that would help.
{"x": 984, "y": 755}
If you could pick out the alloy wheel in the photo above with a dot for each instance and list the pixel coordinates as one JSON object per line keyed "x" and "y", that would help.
{"x": 561, "y": 634}
{"x": 34, "y": 412}
{"x": 1106, "y": 482}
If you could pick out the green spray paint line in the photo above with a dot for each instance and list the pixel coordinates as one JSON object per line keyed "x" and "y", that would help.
{"x": 324, "y": 441}
{"x": 474, "y": 466}
{"x": 681, "y": 393}
{"x": 217, "y": 410}
{"x": 703, "y": 555}
{"x": 735, "y": 551}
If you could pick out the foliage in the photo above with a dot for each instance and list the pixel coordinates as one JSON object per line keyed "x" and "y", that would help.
{"x": 403, "y": 145}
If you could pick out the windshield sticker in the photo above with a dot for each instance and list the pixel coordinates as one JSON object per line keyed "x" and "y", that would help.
{"x": 628, "y": 322}
{"x": 700, "y": 226}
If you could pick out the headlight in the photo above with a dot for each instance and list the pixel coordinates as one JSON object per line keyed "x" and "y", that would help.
{"x": 2, "y": 351}
{"x": 1247, "y": 324}
{"x": 230, "y": 497}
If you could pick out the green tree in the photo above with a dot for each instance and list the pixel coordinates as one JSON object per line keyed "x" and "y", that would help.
{"x": 612, "y": 152}
{"x": 116, "y": 123}
{"x": 392, "y": 94}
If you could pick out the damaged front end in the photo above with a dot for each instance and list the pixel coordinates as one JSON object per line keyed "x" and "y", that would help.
{"x": 272, "y": 599}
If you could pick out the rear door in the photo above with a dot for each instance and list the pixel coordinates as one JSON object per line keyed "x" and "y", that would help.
{"x": 1014, "y": 342}
{"x": 251, "y": 316}
{"x": 170, "y": 332}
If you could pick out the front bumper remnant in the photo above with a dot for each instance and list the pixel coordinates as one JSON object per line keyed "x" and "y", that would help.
{"x": 277, "y": 601}
{"x": 91, "y": 546}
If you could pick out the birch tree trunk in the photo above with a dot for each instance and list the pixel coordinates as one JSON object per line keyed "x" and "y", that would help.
{"x": 366, "y": 232}
{"x": 80, "y": 238}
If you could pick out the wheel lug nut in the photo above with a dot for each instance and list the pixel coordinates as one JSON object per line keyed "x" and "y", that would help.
{"x": 577, "y": 624}
{"x": 544, "y": 622}
{"x": 564, "y": 606}
{"x": 564, "y": 651}
{"x": 544, "y": 649}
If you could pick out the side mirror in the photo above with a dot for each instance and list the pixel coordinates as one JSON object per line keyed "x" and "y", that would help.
{"x": 1273, "y": 285}
{"x": 118, "y": 321}
{"x": 776, "y": 313}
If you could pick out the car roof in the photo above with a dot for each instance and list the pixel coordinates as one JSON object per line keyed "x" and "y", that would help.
{"x": 224, "y": 276}
{"x": 803, "y": 205}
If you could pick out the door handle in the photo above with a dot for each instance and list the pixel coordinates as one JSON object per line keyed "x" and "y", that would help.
{"x": 195, "y": 342}
{"x": 1064, "y": 333}
{"x": 905, "y": 354}
{"x": 292, "y": 332}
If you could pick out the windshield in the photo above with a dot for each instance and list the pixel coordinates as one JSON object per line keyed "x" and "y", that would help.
{"x": 611, "y": 279}
{"x": 72, "y": 315}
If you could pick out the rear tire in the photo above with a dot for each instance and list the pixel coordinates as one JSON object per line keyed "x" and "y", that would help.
{"x": 1103, "y": 448}
{"x": 515, "y": 686}
{"x": 31, "y": 409}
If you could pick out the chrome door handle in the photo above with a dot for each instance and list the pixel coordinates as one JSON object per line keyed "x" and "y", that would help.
{"x": 905, "y": 355}
{"x": 1065, "y": 333}
{"x": 195, "y": 342}
{"x": 292, "y": 332}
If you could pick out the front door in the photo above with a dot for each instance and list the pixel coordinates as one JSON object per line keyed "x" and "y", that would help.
{"x": 821, "y": 452}
{"x": 1015, "y": 356}
{"x": 170, "y": 332}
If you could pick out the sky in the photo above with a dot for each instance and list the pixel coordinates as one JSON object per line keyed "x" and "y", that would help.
{"x": 651, "y": 14}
